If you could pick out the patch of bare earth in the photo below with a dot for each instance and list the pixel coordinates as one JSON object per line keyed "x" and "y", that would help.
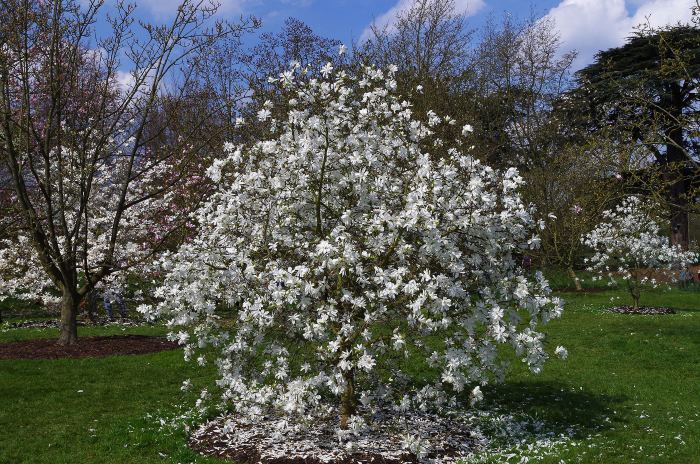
{"x": 645, "y": 310}
{"x": 274, "y": 441}
{"x": 87, "y": 347}
{"x": 94, "y": 322}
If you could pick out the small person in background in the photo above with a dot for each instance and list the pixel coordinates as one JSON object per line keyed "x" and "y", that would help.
{"x": 114, "y": 295}
{"x": 685, "y": 278}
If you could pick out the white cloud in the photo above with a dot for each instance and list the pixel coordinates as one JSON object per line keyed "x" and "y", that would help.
{"x": 592, "y": 25}
{"x": 124, "y": 80}
{"x": 465, "y": 7}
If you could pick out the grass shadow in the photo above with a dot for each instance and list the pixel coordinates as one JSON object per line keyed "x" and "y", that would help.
{"x": 558, "y": 405}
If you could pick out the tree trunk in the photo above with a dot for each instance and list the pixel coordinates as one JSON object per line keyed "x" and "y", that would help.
{"x": 348, "y": 402}
{"x": 69, "y": 321}
{"x": 676, "y": 175}
{"x": 574, "y": 277}
{"x": 679, "y": 224}
{"x": 635, "y": 291}
{"x": 634, "y": 287}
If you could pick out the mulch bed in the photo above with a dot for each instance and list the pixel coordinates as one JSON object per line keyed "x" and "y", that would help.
{"x": 646, "y": 310}
{"x": 55, "y": 323}
{"x": 210, "y": 443}
{"x": 256, "y": 442}
{"x": 87, "y": 347}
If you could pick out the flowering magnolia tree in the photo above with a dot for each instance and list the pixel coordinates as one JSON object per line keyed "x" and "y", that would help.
{"x": 90, "y": 225}
{"x": 629, "y": 242}
{"x": 341, "y": 247}
{"x": 77, "y": 138}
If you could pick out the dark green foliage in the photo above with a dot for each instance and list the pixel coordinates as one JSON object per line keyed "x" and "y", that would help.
{"x": 643, "y": 97}
{"x": 652, "y": 58}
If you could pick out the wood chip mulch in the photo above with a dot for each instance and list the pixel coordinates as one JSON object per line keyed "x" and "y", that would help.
{"x": 210, "y": 442}
{"x": 251, "y": 455}
{"x": 87, "y": 347}
{"x": 55, "y": 323}
{"x": 646, "y": 310}
{"x": 264, "y": 442}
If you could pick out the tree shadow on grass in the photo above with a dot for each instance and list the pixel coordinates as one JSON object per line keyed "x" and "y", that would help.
{"x": 557, "y": 405}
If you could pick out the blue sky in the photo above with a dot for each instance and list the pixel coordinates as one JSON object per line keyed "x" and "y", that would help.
{"x": 347, "y": 19}
{"x": 584, "y": 25}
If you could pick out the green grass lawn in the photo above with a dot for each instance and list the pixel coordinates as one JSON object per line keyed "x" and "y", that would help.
{"x": 631, "y": 385}
{"x": 630, "y": 391}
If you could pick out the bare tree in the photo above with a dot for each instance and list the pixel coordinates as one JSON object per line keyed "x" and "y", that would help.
{"x": 430, "y": 40}
{"x": 296, "y": 42}
{"x": 430, "y": 43}
{"x": 570, "y": 191}
{"x": 520, "y": 73}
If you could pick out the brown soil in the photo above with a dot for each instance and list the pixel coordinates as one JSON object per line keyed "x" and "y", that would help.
{"x": 87, "y": 347}
{"x": 211, "y": 444}
{"x": 226, "y": 437}
{"x": 251, "y": 455}
{"x": 646, "y": 310}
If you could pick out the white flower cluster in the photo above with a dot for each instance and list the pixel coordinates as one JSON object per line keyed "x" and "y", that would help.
{"x": 338, "y": 255}
{"x": 628, "y": 242}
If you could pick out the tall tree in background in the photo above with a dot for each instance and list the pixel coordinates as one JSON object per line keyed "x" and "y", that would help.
{"x": 295, "y": 42}
{"x": 520, "y": 74}
{"x": 645, "y": 95}
{"x": 504, "y": 80}
{"x": 429, "y": 41}
{"x": 262, "y": 64}
{"x": 90, "y": 182}
{"x": 431, "y": 44}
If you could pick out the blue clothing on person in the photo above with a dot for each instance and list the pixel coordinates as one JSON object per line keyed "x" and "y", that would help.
{"x": 106, "y": 299}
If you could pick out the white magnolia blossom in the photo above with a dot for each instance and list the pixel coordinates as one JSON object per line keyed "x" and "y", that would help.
{"x": 336, "y": 256}
{"x": 476, "y": 395}
{"x": 629, "y": 243}
{"x": 562, "y": 352}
